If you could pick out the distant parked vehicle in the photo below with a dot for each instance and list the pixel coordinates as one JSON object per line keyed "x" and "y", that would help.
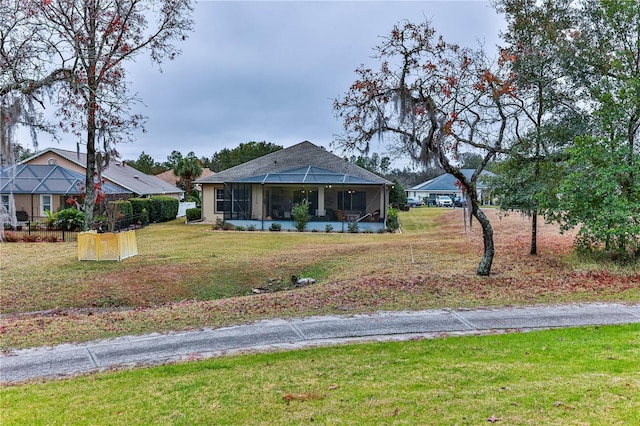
{"x": 412, "y": 202}
{"x": 444, "y": 201}
{"x": 459, "y": 202}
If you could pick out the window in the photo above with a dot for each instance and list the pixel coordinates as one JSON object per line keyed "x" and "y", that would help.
{"x": 45, "y": 204}
{"x": 222, "y": 203}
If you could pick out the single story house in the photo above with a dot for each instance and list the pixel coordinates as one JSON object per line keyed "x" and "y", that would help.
{"x": 169, "y": 177}
{"x": 263, "y": 191}
{"x": 31, "y": 189}
{"x": 445, "y": 184}
{"x": 117, "y": 173}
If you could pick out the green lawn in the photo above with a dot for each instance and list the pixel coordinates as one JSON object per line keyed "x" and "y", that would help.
{"x": 578, "y": 376}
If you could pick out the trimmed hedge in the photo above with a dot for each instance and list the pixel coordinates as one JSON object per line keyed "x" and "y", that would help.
{"x": 160, "y": 208}
{"x": 163, "y": 209}
{"x": 193, "y": 214}
{"x": 139, "y": 204}
{"x": 123, "y": 207}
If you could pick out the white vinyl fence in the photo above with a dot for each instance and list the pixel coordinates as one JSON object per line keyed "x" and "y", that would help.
{"x": 182, "y": 208}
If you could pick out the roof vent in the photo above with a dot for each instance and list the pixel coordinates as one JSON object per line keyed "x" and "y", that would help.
{"x": 136, "y": 177}
{"x": 51, "y": 162}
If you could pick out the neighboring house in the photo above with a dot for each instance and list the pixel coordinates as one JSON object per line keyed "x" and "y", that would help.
{"x": 39, "y": 187}
{"x": 265, "y": 189}
{"x": 446, "y": 185}
{"x": 117, "y": 172}
{"x": 172, "y": 179}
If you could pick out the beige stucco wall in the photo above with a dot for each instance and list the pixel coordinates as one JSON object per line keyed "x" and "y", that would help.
{"x": 60, "y": 161}
{"x": 209, "y": 202}
{"x": 31, "y": 204}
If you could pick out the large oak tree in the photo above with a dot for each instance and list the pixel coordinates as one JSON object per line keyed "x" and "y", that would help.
{"x": 431, "y": 100}
{"x": 95, "y": 39}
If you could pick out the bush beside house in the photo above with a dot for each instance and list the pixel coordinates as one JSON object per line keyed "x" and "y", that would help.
{"x": 193, "y": 214}
{"x": 140, "y": 204}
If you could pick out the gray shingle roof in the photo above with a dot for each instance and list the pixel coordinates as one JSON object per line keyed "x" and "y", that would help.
{"x": 299, "y": 156}
{"x": 447, "y": 182}
{"x": 121, "y": 174}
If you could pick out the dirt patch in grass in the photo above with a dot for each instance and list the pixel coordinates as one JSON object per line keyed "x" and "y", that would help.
{"x": 141, "y": 286}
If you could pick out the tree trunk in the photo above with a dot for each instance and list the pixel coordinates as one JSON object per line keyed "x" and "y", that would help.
{"x": 484, "y": 267}
{"x": 90, "y": 193}
{"x": 92, "y": 107}
{"x": 534, "y": 233}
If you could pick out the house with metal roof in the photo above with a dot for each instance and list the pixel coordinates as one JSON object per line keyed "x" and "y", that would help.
{"x": 446, "y": 184}
{"x": 33, "y": 188}
{"x": 117, "y": 172}
{"x": 264, "y": 190}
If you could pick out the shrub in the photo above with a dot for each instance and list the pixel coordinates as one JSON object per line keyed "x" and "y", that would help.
{"x": 393, "y": 224}
{"x": 275, "y": 227}
{"x": 240, "y": 228}
{"x": 328, "y": 228}
{"x": 194, "y": 196}
{"x": 19, "y": 237}
{"x": 251, "y": 228}
{"x": 118, "y": 207}
{"x": 140, "y": 204}
{"x": 51, "y": 218}
{"x": 193, "y": 214}
{"x": 397, "y": 195}
{"x": 163, "y": 209}
{"x": 219, "y": 224}
{"x": 70, "y": 219}
{"x": 353, "y": 228}
{"x": 12, "y": 237}
{"x": 301, "y": 215}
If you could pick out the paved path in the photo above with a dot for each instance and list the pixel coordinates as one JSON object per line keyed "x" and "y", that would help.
{"x": 72, "y": 359}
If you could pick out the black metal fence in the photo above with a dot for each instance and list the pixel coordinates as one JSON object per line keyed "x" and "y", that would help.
{"x": 33, "y": 232}
{"x": 38, "y": 231}
{"x": 127, "y": 223}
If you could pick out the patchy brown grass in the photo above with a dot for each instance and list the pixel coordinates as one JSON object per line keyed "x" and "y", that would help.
{"x": 204, "y": 278}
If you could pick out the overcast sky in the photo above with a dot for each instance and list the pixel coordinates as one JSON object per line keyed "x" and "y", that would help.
{"x": 269, "y": 71}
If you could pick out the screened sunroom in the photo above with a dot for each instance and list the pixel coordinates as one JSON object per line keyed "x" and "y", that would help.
{"x": 332, "y": 197}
